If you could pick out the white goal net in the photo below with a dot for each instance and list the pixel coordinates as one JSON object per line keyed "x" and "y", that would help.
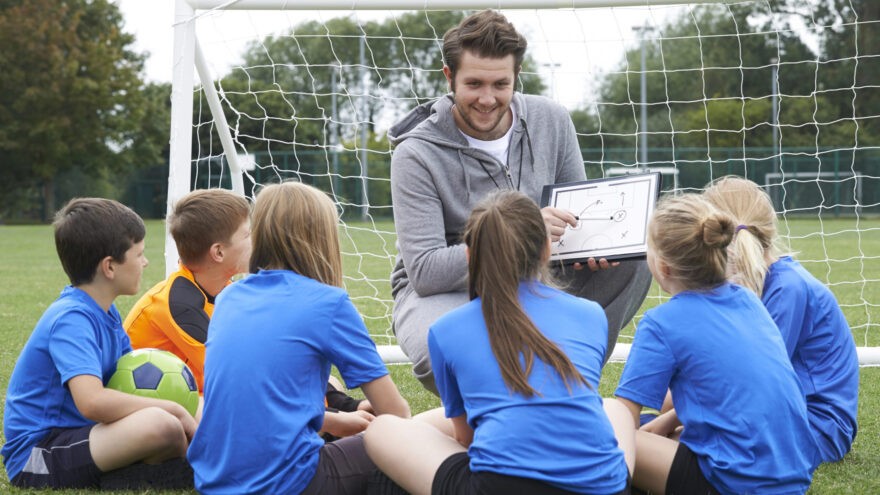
{"x": 786, "y": 93}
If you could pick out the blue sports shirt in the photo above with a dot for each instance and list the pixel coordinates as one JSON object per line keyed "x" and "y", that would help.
{"x": 75, "y": 336}
{"x": 559, "y": 437}
{"x": 271, "y": 341}
{"x": 822, "y": 351}
{"x": 735, "y": 392}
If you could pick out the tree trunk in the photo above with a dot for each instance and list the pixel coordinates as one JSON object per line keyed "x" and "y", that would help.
{"x": 48, "y": 200}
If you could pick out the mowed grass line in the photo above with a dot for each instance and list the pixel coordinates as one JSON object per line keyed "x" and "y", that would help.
{"x": 31, "y": 278}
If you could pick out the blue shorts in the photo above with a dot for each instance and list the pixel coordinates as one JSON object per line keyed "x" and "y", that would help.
{"x": 62, "y": 459}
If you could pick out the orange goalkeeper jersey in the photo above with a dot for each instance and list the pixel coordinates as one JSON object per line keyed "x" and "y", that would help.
{"x": 174, "y": 316}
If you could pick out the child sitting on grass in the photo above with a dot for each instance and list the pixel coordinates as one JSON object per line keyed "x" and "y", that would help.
{"x": 271, "y": 343}
{"x": 816, "y": 334}
{"x": 517, "y": 370}
{"x": 715, "y": 347}
{"x": 211, "y": 228}
{"x": 63, "y": 429}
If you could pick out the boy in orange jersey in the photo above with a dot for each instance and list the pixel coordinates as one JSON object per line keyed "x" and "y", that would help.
{"x": 211, "y": 228}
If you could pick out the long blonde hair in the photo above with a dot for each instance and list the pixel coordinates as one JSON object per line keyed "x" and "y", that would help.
{"x": 506, "y": 238}
{"x": 294, "y": 228}
{"x": 691, "y": 237}
{"x": 754, "y": 246}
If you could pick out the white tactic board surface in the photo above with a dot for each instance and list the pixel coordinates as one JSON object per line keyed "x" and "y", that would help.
{"x": 612, "y": 216}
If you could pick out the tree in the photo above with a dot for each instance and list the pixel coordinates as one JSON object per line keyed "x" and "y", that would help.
{"x": 72, "y": 97}
{"x": 707, "y": 86}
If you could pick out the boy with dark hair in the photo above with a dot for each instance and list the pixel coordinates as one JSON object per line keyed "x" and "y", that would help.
{"x": 63, "y": 428}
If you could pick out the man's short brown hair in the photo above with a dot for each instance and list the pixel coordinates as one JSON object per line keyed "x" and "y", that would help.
{"x": 204, "y": 217}
{"x": 486, "y": 34}
{"x": 88, "y": 230}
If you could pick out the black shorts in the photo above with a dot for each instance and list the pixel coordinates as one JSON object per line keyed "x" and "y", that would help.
{"x": 685, "y": 475}
{"x": 343, "y": 468}
{"x": 62, "y": 459}
{"x": 454, "y": 477}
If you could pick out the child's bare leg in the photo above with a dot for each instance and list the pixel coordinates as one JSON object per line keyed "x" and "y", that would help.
{"x": 437, "y": 418}
{"x": 667, "y": 402}
{"x": 150, "y": 435}
{"x": 409, "y": 452}
{"x": 624, "y": 430}
{"x": 654, "y": 455}
{"x": 200, "y": 410}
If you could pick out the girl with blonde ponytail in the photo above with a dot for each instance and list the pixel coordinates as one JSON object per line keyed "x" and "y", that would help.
{"x": 816, "y": 334}
{"x": 517, "y": 370}
{"x": 718, "y": 352}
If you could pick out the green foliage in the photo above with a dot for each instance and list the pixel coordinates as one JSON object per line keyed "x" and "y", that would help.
{"x": 709, "y": 79}
{"x": 280, "y": 97}
{"x": 72, "y": 97}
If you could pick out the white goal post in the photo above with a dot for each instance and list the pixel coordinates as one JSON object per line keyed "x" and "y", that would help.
{"x": 629, "y": 117}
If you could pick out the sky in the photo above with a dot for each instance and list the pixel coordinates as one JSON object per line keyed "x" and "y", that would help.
{"x": 569, "y": 66}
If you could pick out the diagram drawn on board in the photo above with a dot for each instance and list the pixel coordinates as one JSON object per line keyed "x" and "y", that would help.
{"x": 612, "y": 216}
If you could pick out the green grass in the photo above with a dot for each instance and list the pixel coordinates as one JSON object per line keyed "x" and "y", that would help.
{"x": 32, "y": 278}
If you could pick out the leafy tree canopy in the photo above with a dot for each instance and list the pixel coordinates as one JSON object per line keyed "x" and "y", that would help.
{"x": 281, "y": 95}
{"x": 709, "y": 79}
{"x": 72, "y": 96}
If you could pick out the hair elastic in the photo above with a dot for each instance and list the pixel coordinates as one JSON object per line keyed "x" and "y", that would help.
{"x": 740, "y": 227}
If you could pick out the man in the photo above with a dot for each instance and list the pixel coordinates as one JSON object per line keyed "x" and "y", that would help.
{"x": 453, "y": 151}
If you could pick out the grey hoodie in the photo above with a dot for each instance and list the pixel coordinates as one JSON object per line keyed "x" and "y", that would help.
{"x": 437, "y": 178}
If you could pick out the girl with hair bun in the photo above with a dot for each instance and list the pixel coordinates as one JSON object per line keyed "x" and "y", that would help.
{"x": 517, "y": 370}
{"x": 816, "y": 334}
{"x": 715, "y": 347}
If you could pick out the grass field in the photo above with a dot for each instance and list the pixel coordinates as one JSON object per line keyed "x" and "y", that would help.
{"x": 845, "y": 255}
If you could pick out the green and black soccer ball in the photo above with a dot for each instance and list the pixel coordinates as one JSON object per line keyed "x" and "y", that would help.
{"x": 158, "y": 374}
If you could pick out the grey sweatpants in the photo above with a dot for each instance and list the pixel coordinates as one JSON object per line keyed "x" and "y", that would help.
{"x": 619, "y": 290}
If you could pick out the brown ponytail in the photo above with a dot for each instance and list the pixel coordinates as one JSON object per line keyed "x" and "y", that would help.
{"x": 506, "y": 238}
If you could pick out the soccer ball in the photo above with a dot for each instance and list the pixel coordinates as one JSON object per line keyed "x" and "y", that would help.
{"x": 158, "y": 374}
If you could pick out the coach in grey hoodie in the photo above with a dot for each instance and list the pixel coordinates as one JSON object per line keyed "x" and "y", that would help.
{"x": 452, "y": 152}
{"x": 437, "y": 178}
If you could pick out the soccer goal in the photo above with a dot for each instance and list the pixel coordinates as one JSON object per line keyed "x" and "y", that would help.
{"x": 785, "y": 93}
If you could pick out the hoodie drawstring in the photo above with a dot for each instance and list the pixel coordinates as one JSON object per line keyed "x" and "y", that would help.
{"x": 531, "y": 154}
{"x": 467, "y": 180}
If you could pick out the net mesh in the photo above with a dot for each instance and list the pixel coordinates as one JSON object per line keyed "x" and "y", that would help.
{"x": 784, "y": 93}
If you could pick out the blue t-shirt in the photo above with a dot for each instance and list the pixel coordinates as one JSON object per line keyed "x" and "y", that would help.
{"x": 735, "y": 392}
{"x": 271, "y": 341}
{"x": 559, "y": 437}
{"x": 822, "y": 351}
{"x": 75, "y": 336}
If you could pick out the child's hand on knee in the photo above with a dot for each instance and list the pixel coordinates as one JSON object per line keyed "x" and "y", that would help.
{"x": 365, "y": 405}
{"x": 345, "y": 424}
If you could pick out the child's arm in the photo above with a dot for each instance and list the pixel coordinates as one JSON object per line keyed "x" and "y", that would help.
{"x": 345, "y": 424}
{"x": 464, "y": 434}
{"x": 634, "y": 409}
{"x": 104, "y": 405}
{"x": 383, "y": 395}
{"x": 664, "y": 424}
